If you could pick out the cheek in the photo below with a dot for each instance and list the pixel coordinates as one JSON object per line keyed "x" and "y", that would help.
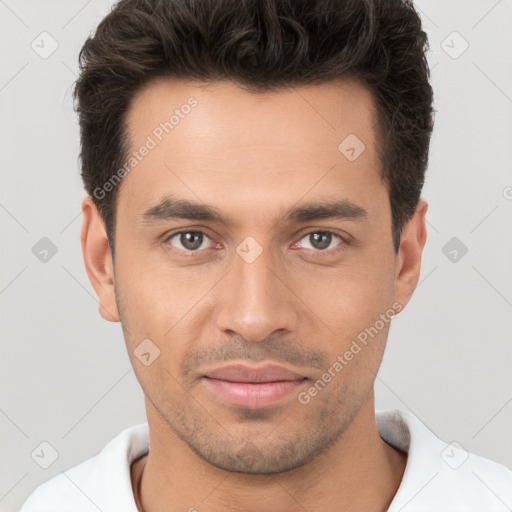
{"x": 349, "y": 296}
{"x": 350, "y": 301}
{"x": 158, "y": 299}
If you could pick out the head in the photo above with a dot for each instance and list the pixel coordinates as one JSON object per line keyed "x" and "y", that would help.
{"x": 254, "y": 172}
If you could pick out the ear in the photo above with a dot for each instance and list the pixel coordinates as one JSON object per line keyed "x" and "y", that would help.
{"x": 98, "y": 259}
{"x": 408, "y": 259}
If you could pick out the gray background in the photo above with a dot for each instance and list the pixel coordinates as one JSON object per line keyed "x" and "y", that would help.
{"x": 65, "y": 376}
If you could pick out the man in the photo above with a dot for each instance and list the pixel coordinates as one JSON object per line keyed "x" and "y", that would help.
{"x": 254, "y": 222}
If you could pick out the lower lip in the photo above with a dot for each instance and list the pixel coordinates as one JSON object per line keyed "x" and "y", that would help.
{"x": 253, "y": 395}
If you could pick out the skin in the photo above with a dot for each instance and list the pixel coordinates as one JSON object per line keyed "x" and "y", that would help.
{"x": 254, "y": 157}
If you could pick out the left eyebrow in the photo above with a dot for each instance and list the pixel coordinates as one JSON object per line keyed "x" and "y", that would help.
{"x": 342, "y": 210}
{"x": 170, "y": 208}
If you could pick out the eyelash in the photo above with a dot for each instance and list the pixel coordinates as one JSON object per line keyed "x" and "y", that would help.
{"x": 342, "y": 245}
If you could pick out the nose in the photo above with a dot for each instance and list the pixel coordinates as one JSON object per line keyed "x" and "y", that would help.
{"x": 256, "y": 300}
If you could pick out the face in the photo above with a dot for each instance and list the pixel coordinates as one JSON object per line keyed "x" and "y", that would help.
{"x": 251, "y": 234}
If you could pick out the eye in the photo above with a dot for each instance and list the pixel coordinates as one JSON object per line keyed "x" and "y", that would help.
{"x": 188, "y": 241}
{"x": 320, "y": 241}
{"x": 193, "y": 241}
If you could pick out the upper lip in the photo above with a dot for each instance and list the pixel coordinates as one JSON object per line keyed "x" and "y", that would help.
{"x": 245, "y": 373}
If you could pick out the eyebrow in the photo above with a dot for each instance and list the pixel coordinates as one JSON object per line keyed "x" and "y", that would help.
{"x": 170, "y": 208}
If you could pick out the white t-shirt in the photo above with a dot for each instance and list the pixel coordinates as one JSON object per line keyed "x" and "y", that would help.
{"x": 438, "y": 476}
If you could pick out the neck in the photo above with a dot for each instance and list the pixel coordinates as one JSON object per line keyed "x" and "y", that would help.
{"x": 359, "y": 472}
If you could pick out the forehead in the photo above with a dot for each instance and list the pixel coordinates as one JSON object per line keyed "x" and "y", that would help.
{"x": 236, "y": 116}
{"x": 217, "y": 141}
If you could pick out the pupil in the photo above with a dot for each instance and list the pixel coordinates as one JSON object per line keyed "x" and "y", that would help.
{"x": 186, "y": 240}
{"x": 318, "y": 242}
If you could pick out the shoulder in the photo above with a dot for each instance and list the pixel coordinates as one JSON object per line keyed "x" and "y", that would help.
{"x": 101, "y": 482}
{"x": 442, "y": 476}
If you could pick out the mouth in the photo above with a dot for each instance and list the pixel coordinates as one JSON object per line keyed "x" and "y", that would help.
{"x": 253, "y": 387}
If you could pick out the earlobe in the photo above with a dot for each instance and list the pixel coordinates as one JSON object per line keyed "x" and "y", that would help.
{"x": 98, "y": 259}
{"x": 408, "y": 260}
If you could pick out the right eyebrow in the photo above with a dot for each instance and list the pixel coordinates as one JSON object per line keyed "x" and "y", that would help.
{"x": 169, "y": 208}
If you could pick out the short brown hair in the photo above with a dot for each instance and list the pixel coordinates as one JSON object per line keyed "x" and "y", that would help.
{"x": 261, "y": 45}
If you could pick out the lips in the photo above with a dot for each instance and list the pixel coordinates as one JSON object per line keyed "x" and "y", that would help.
{"x": 253, "y": 387}
{"x": 241, "y": 373}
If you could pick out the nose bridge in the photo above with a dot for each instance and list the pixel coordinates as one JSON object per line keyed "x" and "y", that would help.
{"x": 254, "y": 301}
